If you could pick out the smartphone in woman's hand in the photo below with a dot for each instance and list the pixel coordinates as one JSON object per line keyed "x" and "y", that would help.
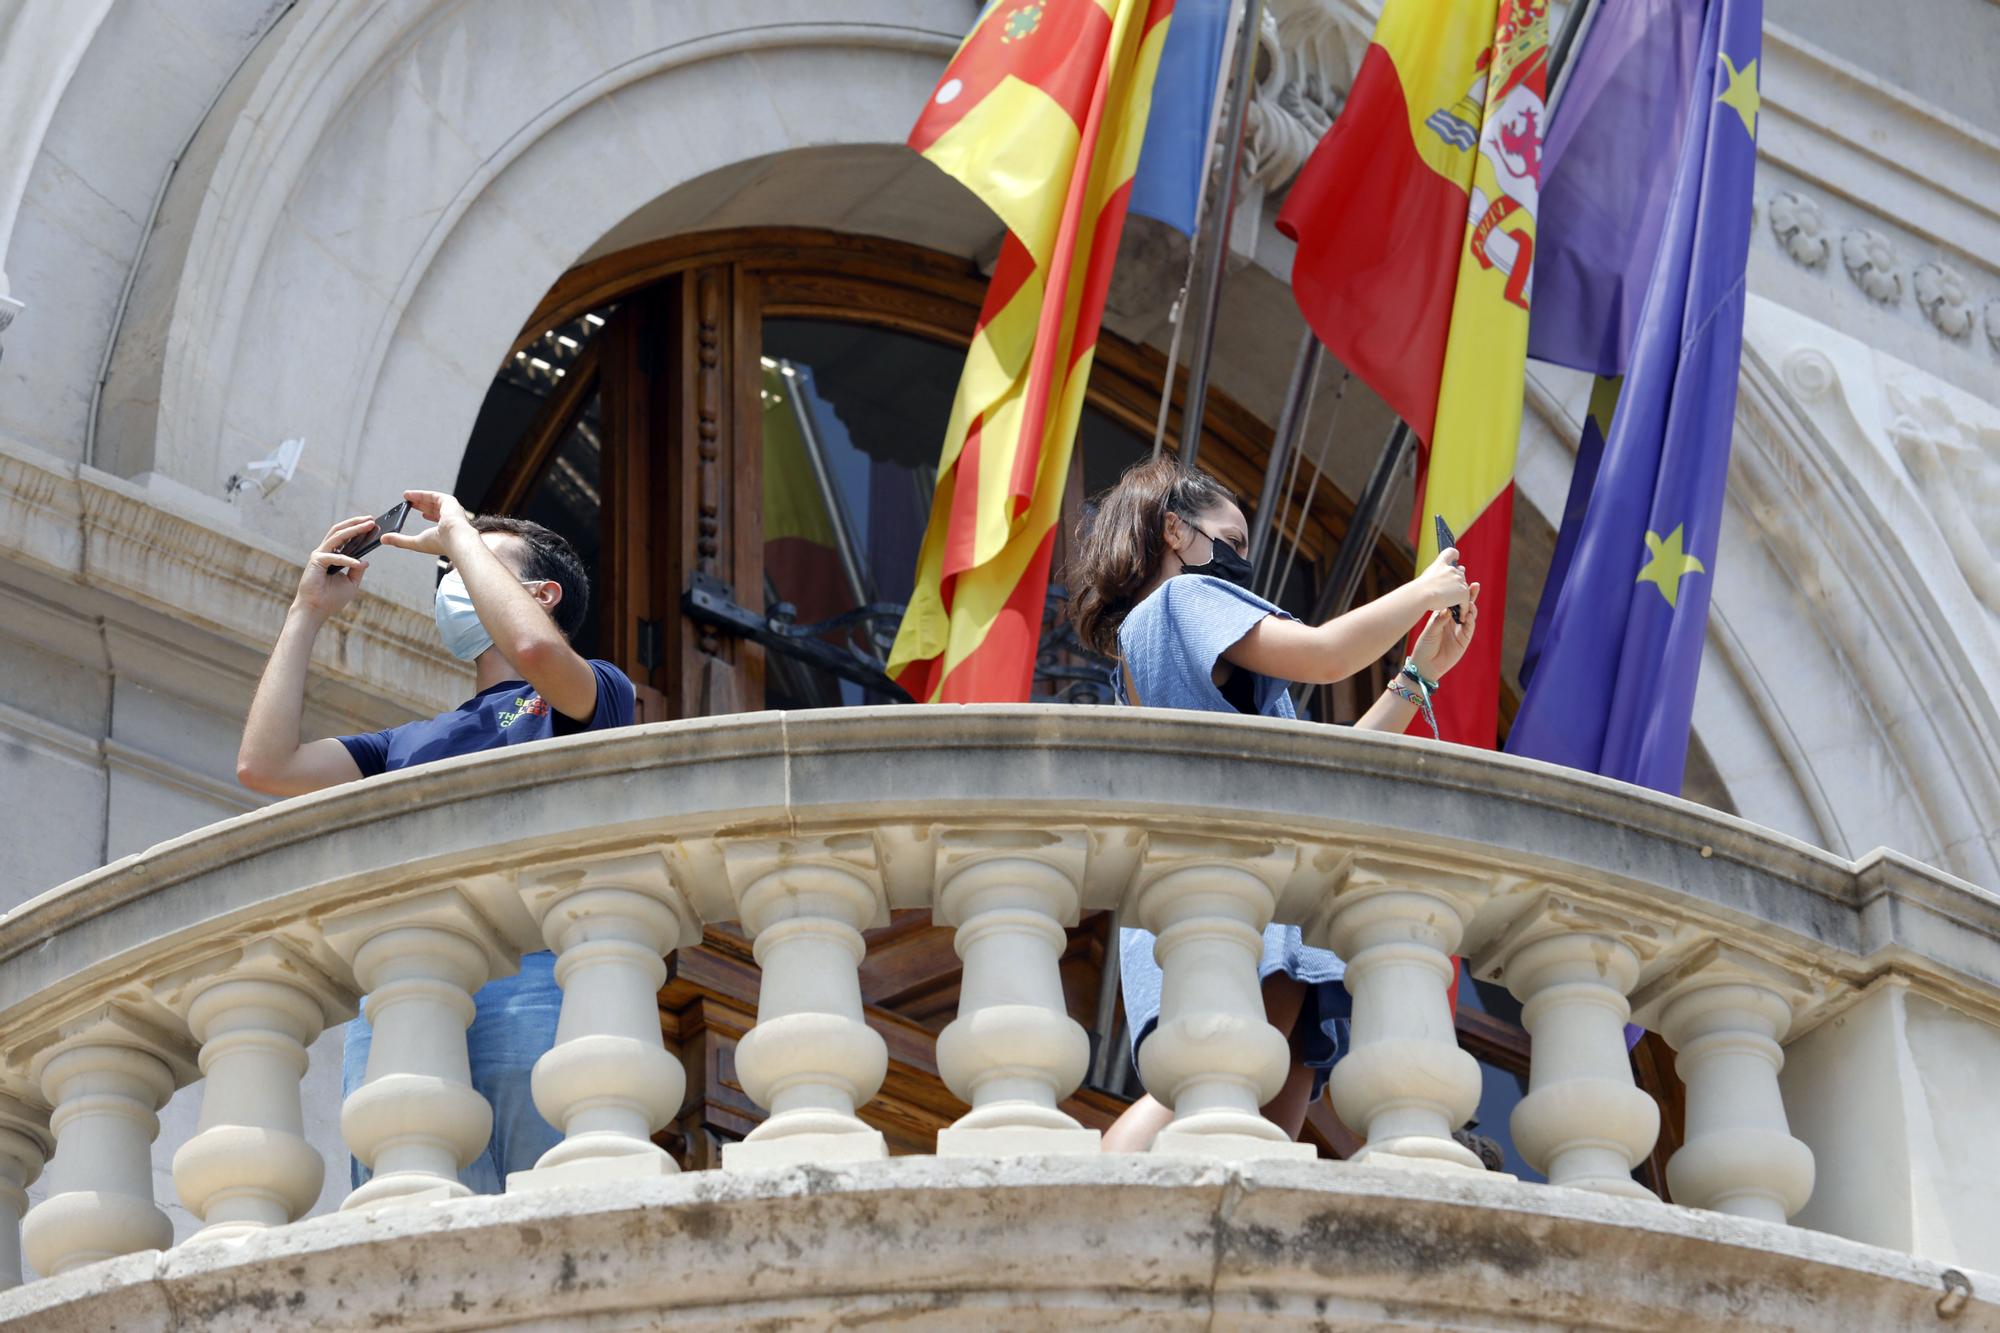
{"x": 1445, "y": 542}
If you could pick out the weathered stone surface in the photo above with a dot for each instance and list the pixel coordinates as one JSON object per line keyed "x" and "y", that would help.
{"x": 1110, "y": 1242}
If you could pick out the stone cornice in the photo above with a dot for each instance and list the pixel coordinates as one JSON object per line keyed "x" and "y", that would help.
{"x": 1931, "y": 173}
{"x": 102, "y": 532}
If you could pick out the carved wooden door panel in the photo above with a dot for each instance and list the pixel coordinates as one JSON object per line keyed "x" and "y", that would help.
{"x": 681, "y": 488}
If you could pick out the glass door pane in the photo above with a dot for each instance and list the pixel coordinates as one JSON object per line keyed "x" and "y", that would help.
{"x": 853, "y": 417}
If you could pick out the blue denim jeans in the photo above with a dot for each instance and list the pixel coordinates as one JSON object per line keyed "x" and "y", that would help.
{"x": 514, "y": 1023}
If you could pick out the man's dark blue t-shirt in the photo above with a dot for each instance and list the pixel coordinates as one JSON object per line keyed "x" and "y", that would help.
{"x": 510, "y": 713}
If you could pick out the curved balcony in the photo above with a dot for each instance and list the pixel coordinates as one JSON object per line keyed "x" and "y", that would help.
{"x": 224, "y": 953}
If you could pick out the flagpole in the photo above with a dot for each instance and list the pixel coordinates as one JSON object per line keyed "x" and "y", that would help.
{"x": 1290, "y": 422}
{"x": 1364, "y": 527}
{"x": 1204, "y": 347}
{"x": 1178, "y": 316}
{"x": 1572, "y": 30}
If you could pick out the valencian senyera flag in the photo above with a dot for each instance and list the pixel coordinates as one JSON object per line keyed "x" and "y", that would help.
{"x": 1415, "y": 223}
{"x": 1618, "y": 650}
{"x": 1041, "y": 114}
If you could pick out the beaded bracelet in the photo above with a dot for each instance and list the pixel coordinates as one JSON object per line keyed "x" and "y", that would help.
{"x": 1420, "y": 695}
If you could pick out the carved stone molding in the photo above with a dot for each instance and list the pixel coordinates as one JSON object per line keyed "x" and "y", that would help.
{"x": 1945, "y": 299}
{"x": 100, "y": 531}
{"x": 1954, "y": 463}
{"x": 1303, "y": 74}
{"x": 1800, "y": 228}
{"x": 1809, "y": 372}
{"x": 1874, "y": 265}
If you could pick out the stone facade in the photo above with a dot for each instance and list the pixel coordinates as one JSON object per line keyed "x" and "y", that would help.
{"x": 228, "y": 224}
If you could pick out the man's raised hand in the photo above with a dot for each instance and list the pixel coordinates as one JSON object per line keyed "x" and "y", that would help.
{"x": 322, "y": 593}
{"x": 446, "y": 515}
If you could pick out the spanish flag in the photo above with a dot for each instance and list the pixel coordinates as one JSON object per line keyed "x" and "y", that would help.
{"x": 1041, "y": 114}
{"x": 1415, "y": 223}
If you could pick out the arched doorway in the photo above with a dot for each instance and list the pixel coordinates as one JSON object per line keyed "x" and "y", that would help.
{"x": 756, "y": 415}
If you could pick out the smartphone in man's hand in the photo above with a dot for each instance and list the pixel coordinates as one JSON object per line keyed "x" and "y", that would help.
{"x": 390, "y": 520}
{"x": 1445, "y": 543}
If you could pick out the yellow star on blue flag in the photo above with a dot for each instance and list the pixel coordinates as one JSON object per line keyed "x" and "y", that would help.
{"x": 1669, "y": 564}
{"x": 1741, "y": 95}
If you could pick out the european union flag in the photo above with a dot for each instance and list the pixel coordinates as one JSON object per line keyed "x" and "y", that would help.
{"x": 1167, "y": 184}
{"x": 1618, "y": 645}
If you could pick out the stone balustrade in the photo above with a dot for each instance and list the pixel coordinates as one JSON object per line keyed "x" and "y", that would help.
{"x": 223, "y": 954}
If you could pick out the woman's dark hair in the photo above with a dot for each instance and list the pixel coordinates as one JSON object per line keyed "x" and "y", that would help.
{"x": 547, "y": 555}
{"x": 1122, "y": 539}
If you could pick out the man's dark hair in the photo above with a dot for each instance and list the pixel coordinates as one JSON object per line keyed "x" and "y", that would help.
{"x": 548, "y": 556}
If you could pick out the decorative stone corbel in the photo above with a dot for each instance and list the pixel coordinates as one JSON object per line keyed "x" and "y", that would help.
{"x": 1302, "y": 71}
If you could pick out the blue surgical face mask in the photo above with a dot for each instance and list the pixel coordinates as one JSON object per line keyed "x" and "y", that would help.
{"x": 458, "y": 620}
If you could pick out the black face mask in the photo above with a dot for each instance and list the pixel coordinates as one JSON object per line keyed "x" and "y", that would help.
{"x": 1222, "y": 563}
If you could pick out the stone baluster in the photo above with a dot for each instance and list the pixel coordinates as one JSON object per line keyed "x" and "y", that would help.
{"x": 25, "y": 1145}
{"x": 1213, "y": 1059}
{"x": 609, "y": 1083}
{"x": 106, "y": 1075}
{"x": 254, "y": 1011}
{"x": 811, "y": 1060}
{"x": 1404, "y": 1083}
{"x": 1013, "y": 1052}
{"x": 416, "y": 1120}
{"x": 1583, "y": 1123}
{"x": 1724, "y": 1013}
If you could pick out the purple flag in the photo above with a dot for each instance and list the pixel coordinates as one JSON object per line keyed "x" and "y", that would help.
{"x": 1608, "y": 167}
{"x": 1613, "y": 685}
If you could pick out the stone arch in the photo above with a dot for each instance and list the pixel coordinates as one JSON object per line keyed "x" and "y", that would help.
{"x": 405, "y": 180}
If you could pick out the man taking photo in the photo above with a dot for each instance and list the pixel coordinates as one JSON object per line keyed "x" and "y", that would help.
{"x": 513, "y": 598}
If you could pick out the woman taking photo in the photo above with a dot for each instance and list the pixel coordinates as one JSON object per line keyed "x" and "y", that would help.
{"x": 1160, "y": 582}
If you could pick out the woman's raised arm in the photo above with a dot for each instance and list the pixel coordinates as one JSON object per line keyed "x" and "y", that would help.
{"x": 1321, "y": 654}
